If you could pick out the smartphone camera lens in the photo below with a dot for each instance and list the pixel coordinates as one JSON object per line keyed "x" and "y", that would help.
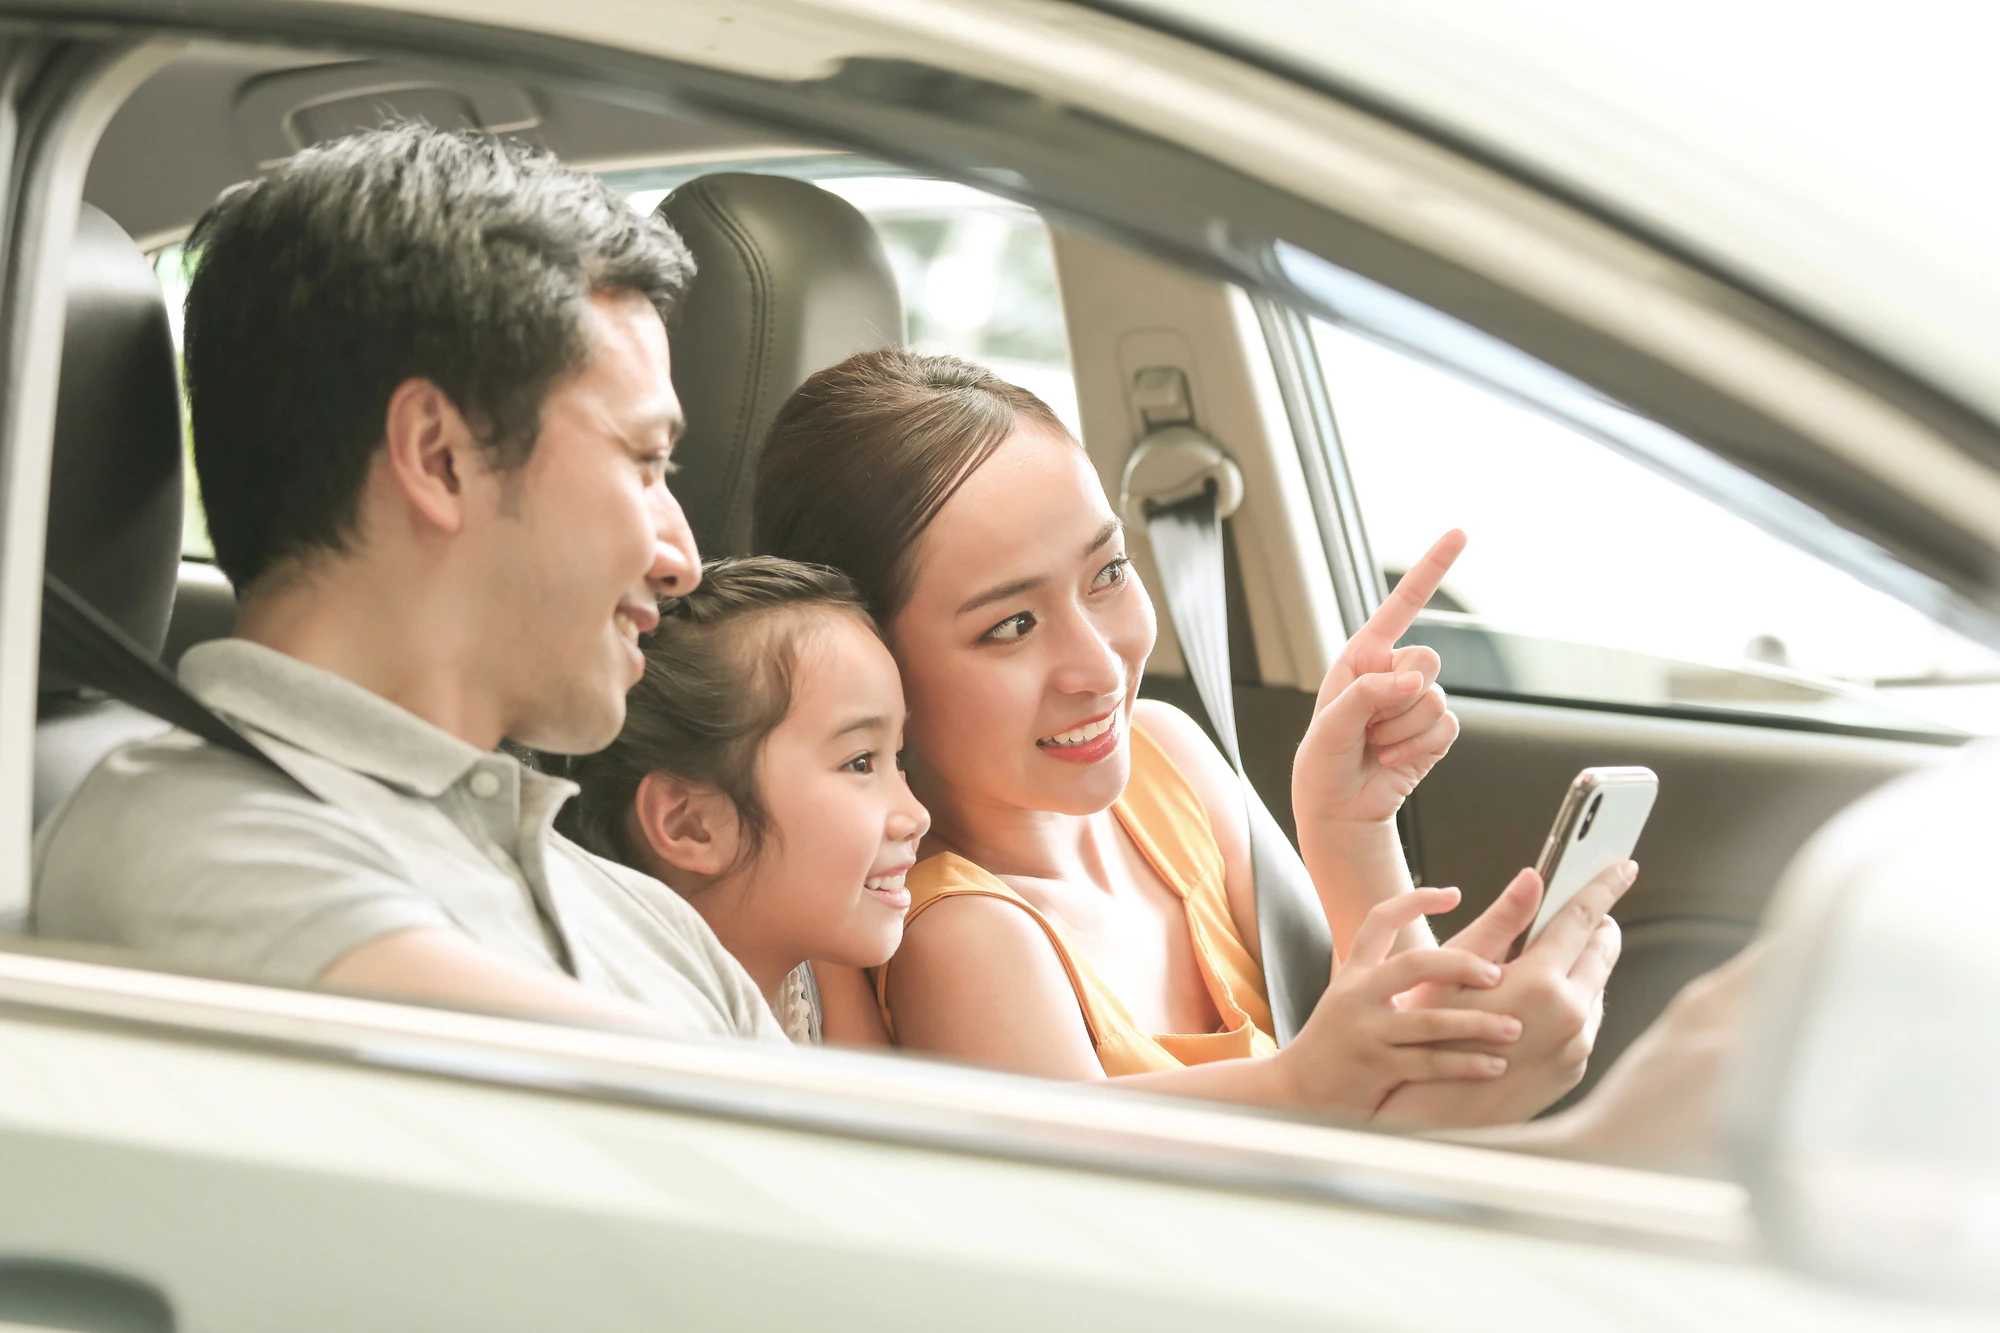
{"x": 1590, "y": 817}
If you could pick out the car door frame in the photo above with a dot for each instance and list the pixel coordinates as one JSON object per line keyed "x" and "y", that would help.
{"x": 56, "y": 97}
{"x": 36, "y": 310}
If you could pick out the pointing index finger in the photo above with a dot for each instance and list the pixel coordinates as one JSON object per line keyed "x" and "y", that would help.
{"x": 1412, "y": 592}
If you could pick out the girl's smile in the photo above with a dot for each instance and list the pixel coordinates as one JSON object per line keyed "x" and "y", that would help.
{"x": 888, "y": 886}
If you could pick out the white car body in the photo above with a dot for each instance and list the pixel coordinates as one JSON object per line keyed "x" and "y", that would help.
{"x": 272, "y": 1159}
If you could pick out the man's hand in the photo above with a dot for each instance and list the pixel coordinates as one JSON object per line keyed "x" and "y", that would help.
{"x": 1555, "y": 988}
{"x": 1380, "y": 722}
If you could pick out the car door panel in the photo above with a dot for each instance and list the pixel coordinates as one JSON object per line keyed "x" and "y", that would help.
{"x": 1736, "y": 802}
{"x": 253, "y": 1188}
{"x": 1737, "y": 799}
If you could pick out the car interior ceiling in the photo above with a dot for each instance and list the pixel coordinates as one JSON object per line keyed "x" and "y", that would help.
{"x": 769, "y": 249}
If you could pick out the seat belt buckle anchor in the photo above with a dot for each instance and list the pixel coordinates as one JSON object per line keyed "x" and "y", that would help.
{"x": 1174, "y": 464}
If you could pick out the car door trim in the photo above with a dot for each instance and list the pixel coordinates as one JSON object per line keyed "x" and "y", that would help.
{"x": 1357, "y": 584}
{"x": 902, "y": 1101}
{"x": 1164, "y": 125}
{"x": 54, "y": 123}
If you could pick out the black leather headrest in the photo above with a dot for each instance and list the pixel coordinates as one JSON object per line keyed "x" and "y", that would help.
{"x": 790, "y": 279}
{"x": 114, "y": 532}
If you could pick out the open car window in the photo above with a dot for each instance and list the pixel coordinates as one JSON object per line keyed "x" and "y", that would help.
{"x": 1591, "y": 577}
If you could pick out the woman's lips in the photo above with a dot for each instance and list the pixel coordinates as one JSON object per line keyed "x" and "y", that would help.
{"x": 1091, "y": 751}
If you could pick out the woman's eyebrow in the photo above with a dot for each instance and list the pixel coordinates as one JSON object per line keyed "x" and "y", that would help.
{"x": 1003, "y": 592}
{"x": 1111, "y": 528}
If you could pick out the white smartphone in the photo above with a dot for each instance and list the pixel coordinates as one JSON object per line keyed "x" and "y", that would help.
{"x": 1596, "y": 827}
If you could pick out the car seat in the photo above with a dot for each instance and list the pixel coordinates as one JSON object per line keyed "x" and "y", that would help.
{"x": 114, "y": 516}
{"x": 790, "y": 279}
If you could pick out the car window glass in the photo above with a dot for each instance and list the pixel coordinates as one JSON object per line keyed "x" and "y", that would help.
{"x": 1591, "y": 577}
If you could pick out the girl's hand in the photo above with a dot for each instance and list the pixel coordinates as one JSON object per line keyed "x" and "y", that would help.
{"x": 1359, "y": 1047}
{"x": 1380, "y": 722}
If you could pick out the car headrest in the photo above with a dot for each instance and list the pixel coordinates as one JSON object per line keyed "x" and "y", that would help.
{"x": 790, "y": 279}
{"x": 114, "y": 530}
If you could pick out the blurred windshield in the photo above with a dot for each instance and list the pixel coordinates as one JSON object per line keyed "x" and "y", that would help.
{"x": 1839, "y": 155}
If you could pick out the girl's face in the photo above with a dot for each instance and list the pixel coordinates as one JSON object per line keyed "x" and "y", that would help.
{"x": 843, "y": 827}
{"x": 1024, "y": 637}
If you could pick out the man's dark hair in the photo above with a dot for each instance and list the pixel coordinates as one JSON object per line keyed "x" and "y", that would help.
{"x": 404, "y": 252}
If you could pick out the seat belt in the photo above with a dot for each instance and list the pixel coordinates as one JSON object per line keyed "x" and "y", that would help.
{"x": 1184, "y": 485}
{"x": 81, "y": 644}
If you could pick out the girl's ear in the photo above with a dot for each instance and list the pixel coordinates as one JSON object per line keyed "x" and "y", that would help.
{"x": 690, "y": 827}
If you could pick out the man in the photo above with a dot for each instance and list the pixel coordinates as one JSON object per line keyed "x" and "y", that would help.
{"x": 433, "y": 414}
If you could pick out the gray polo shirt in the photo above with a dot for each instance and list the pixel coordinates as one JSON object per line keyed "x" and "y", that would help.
{"x": 186, "y": 851}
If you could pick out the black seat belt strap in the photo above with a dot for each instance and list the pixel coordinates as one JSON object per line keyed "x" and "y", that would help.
{"x": 1296, "y": 943}
{"x": 83, "y": 645}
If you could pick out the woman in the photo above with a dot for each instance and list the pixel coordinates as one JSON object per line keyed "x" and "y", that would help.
{"x": 1085, "y": 908}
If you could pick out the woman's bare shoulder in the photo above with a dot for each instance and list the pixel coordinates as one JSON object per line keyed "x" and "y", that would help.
{"x": 978, "y": 979}
{"x": 971, "y": 942}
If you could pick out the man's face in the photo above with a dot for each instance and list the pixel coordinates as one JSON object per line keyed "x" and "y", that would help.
{"x": 585, "y": 538}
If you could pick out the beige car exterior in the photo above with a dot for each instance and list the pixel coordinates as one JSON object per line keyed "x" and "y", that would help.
{"x": 271, "y": 1159}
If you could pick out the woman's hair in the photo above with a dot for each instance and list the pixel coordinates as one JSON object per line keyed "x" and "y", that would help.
{"x": 718, "y": 680}
{"x": 863, "y": 456}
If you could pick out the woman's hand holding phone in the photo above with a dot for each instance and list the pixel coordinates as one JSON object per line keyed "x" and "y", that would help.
{"x": 1360, "y": 1046}
{"x": 1379, "y": 726}
{"x": 1555, "y": 988}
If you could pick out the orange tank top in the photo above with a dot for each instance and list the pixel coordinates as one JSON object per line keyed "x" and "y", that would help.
{"x": 1167, "y": 821}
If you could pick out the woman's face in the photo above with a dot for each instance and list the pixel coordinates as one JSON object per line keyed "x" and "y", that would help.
{"x": 1024, "y": 636}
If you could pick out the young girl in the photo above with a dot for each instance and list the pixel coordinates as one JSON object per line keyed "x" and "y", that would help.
{"x": 758, "y": 776}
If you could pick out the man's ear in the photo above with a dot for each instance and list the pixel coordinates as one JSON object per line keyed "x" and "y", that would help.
{"x": 689, "y": 827}
{"x": 430, "y": 452}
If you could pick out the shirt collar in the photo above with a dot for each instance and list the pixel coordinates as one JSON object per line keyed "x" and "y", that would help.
{"x": 326, "y": 715}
